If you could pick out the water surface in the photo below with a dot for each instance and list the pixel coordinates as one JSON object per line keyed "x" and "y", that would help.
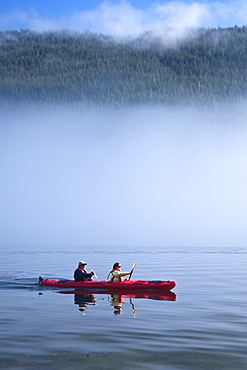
{"x": 204, "y": 328}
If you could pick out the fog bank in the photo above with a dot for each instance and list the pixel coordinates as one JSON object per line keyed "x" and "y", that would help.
{"x": 135, "y": 176}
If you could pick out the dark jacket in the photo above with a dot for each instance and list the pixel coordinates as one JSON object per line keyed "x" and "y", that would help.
{"x": 80, "y": 275}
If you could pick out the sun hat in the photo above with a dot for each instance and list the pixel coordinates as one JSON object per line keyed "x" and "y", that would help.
{"x": 82, "y": 263}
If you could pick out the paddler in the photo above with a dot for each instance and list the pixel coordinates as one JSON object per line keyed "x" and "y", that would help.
{"x": 81, "y": 274}
{"x": 116, "y": 274}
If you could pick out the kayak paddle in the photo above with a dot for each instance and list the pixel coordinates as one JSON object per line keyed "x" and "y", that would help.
{"x": 95, "y": 275}
{"x": 132, "y": 269}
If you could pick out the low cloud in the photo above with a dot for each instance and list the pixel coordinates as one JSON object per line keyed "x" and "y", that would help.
{"x": 123, "y": 19}
{"x": 134, "y": 176}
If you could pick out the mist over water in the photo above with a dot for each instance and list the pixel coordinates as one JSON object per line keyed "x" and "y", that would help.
{"x": 151, "y": 176}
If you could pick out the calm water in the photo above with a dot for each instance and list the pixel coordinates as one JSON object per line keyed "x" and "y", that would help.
{"x": 204, "y": 328}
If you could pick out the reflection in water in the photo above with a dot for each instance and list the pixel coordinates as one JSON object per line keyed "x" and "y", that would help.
{"x": 83, "y": 299}
{"x": 117, "y": 303}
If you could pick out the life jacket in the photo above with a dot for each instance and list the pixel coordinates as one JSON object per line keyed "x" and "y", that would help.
{"x": 112, "y": 277}
{"x": 78, "y": 268}
{"x": 87, "y": 275}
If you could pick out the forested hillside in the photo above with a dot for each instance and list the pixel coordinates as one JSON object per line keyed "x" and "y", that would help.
{"x": 60, "y": 66}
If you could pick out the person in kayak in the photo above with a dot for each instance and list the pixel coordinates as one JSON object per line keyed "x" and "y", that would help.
{"x": 116, "y": 274}
{"x": 81, "y": 274}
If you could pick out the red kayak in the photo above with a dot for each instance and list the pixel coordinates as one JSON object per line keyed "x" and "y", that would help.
{"x": 127, "y": 285}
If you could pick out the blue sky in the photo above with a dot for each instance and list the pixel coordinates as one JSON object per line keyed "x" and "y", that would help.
{"x": 120, "y": 18}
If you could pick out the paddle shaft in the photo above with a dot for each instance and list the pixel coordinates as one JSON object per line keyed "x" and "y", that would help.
{"x": 131, "y": 272}
{"x": 95, "y": 275}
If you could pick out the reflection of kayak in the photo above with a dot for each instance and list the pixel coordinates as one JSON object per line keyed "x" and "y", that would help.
{"x": 143, "y": 294}
{"x": 130, "y": 285}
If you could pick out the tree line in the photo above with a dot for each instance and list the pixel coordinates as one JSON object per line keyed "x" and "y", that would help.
{"x": 208, "y": 66}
